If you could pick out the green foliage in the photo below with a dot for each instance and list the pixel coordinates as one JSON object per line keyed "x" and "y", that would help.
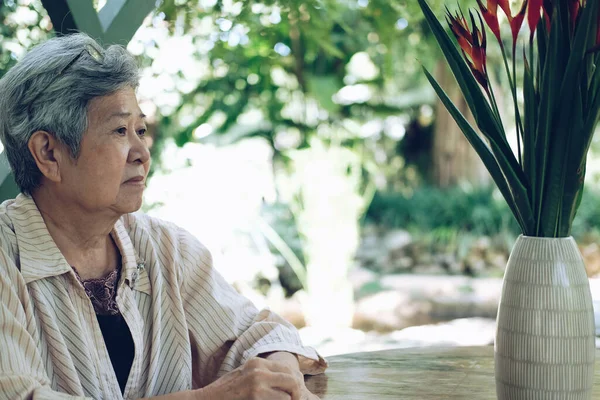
{"x": 281, "y": 219}
{"x": 23, "y": 24}
{"x": 16, "y": 35}
{"x": 587, "y": 222}
{"x": 479, "y": 211}
{"x": 296, "y": 53}
{"x": 369, "y": 289}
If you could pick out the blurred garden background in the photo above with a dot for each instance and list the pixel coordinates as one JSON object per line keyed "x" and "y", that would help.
{"x": 300, "y": 141}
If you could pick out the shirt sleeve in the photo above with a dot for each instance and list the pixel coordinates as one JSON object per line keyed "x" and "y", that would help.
{"x": 225, "y": 328}
{"x": 22, "y": 373}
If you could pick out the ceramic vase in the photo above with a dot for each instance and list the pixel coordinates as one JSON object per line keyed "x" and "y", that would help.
{"x": 545, "y": 342}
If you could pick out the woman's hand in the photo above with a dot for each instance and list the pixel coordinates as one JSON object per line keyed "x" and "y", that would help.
{"x": 258, "y": 379}
{"x": 305, "y": 394}
{"x": 291, "y": 361}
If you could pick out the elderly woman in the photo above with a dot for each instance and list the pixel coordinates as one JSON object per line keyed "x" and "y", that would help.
{"x": 98, "y": 301}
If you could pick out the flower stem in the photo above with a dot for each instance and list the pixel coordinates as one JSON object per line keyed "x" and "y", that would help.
{"x": 490, "y": 93}
{"x": 517, "y": 114}
{"x": 512, "y": 83}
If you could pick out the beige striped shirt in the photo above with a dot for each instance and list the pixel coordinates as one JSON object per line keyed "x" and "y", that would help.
{"x": 188, "y": 325}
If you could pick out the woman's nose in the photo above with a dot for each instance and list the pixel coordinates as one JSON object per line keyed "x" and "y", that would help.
{"x": 139, "y": 151}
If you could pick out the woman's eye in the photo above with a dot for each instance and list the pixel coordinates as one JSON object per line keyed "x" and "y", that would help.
{"x": 122, "y": 131}
{"x": 142, "y": 132}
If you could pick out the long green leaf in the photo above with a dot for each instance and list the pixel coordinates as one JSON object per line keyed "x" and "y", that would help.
{"x": 530, "y": 121}
{"x": 542, "y": 47}
{"x": 571, "y": 180}
{"x": 591, "y": 120}
{"x": 514, "y": 202}
{"x": 548, "y": 92}
{"x": 566, "y": 123}
{"x": 594, "y": 83}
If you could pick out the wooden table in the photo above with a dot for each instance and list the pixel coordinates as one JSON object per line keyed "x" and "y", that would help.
{"x": 411, "y": 374}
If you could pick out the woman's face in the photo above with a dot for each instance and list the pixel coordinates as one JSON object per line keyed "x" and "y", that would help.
{"x": 113, "y": 163}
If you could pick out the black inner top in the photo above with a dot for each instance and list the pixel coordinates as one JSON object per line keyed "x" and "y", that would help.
{"x": 119, "y": 344}
{"x": 117, "y": 337}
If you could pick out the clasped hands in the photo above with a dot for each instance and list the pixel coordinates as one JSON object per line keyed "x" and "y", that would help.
{"x": 259, "y": 379}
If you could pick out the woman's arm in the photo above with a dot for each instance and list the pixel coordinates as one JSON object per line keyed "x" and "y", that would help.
{"x": 285, "y": 358}
{"x": 226, "y": 330}
{"x": 22, "y": 372}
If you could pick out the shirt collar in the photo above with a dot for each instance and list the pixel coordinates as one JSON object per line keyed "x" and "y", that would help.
{"x": 40, "y": 257}
{"x": 134, "y": 267}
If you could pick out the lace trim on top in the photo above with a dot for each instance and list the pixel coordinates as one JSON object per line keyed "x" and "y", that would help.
{"x": 102, "y": 292}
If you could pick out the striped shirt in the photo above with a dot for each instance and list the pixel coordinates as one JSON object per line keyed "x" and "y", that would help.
{"x": 188, "y": 325}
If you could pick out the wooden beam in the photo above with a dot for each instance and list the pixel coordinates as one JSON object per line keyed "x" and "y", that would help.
{"x": 69, "y": 16}
{"x": 8, "y": 187}
{"x": 4, "y": 168}
{"x": 122, "y": 18}
{"x": 86, "y": 17}
{"x": 62, "y": 19}
{"x": 115, "y": 23}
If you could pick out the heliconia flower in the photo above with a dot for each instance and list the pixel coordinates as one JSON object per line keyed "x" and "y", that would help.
{"x": 460, "y": 28}
{"x": 534, "y": 13}
{"x": 598, "y": 31}
{"x": 596, "y": 47}
{"x": 490, "y": 15}
{"x": 574, "y": 7}
{"x": 517, "y": 22}
{"x": 479, "y": 47}
{"x": 547, "y": 6}
{"x": 472, "y": 43}
{"x": 505, "y": 6}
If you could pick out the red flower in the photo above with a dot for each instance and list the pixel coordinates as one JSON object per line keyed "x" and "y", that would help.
{"x": 505, "y": 6}
{"x": 598, "y": 30}
{"x": 534, "y": 13}
{"x": 548, "y": 13}
{"x": 574, "y": 7}
{"x": 490, "y": 14}
{"x": 516, "y": 22}
{"x": 472, "y": 43}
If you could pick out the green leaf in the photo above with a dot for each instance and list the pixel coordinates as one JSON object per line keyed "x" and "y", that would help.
{"x": 565, "y": 128}
{"x": 585, "y": 38}
{"x": 542, "y": 46}
{"x": 515, "y": 196}
{"x": 530, "y": 121}
{"x": 322, "y": 88}
{"x": 571, "y": 177}
{"x": 594, "y": 83}
{"x": 548, "y": 97}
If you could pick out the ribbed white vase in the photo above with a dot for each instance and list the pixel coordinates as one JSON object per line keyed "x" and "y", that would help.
{"x": 545, "y": 343}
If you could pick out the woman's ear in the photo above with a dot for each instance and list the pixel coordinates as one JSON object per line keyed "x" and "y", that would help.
{"x": 47, "y": 153}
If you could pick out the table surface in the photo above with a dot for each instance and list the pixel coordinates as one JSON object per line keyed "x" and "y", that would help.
{"x": 407, "y": 374}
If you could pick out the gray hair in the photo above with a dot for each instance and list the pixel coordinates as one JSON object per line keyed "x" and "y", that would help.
{"x": 49, "y": 90}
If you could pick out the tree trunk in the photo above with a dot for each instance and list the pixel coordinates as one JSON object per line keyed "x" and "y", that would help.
{"x": 454, "y": 160}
